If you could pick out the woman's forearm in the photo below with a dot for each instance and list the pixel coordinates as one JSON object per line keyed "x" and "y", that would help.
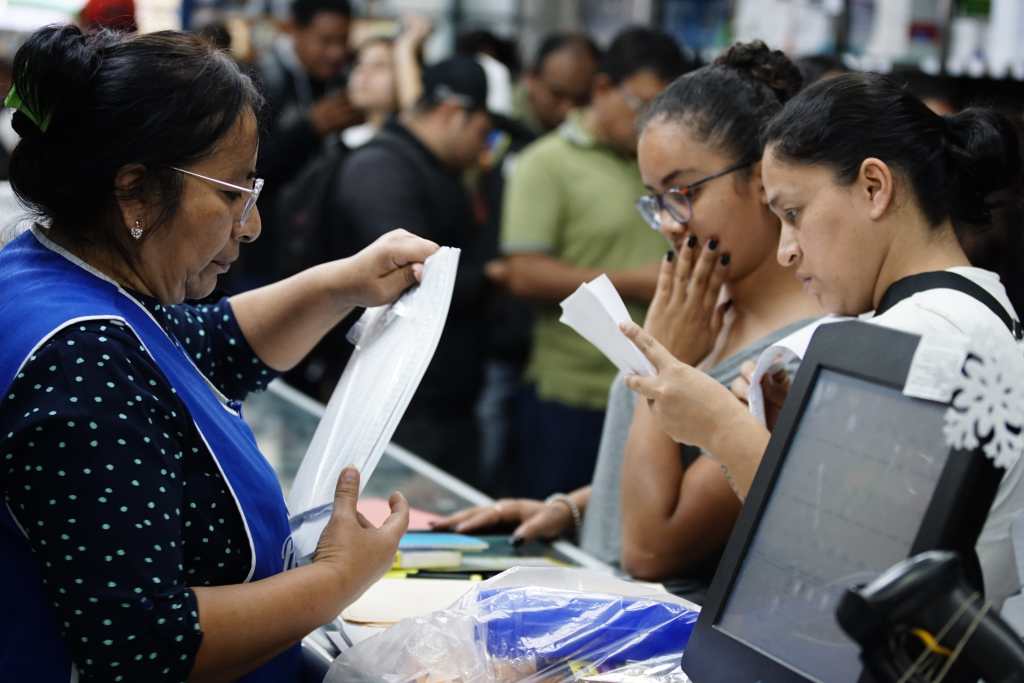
{"x": 245, "y": 625}
{"x": 738, "y": 443}
{"x": 672, "y": 516}
{"x": 581, "y": 497}
{"x": 652, "y": 471}
{"x": 284, "y": 321}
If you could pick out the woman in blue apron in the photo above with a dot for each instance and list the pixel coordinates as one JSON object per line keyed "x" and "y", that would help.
{"x": 868, "y": 184}
{"x": 144, "y": 536}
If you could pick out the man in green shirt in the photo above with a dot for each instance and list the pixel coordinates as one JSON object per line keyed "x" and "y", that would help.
{"x": 568, "y": 217}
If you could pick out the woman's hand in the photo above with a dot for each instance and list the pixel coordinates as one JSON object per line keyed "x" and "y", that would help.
{"x": 686, "y": 403}
{"x": 379, "y": 273}
{"x": 416, "y": 28}
{"x": 533, "y": 519}
{"x": 740, "y": 386}
{"x": 684, "y": 314}
{"x": 358, "y": 552}
{"x": 774, "y": 389}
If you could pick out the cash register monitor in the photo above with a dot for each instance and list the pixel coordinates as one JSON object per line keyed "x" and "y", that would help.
{"x": 856, "y": 477}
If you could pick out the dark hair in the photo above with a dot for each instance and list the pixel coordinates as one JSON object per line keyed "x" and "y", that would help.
{"x": 815, "y": 67}
{"x": 472, "y": 43}
{"x": 953, "y": 164}
{"x": 215, "y": 33}
{"x": 642, "y": 49}
{"x": 555, "y": 42}
{"x": 160, "y": 99}
{"x": 726, "y": 103}
{"x": 303, "y": 11}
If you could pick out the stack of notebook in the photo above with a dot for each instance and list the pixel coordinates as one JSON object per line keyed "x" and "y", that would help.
{"x": 428, "y": 550}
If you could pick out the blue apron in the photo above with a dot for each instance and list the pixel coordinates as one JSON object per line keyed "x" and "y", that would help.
{"x": 41, "y": 292}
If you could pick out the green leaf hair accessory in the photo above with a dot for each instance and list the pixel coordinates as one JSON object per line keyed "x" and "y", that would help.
{"x": 14, "y": 101}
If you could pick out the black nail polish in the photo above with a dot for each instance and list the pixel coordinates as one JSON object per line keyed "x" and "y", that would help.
{"x": 713, "y": 244}
{"x": 669, "y": 255}
{"x": 691, "y": 241}
{"x": 725, "y": 259}
{"x": 517, "y": 541}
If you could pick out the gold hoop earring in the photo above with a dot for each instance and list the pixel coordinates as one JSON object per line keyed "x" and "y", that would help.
{"x": 136, "y": 230}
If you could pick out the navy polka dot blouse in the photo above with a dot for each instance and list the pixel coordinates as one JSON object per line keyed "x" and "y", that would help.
{"x": 122, "y": 503}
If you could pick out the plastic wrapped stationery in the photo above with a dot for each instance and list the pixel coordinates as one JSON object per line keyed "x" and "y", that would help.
{"x": 393, "y": 347}
{"x": 535, "y": 625}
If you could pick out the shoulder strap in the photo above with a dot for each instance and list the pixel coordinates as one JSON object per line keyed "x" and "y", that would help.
{"x": 944, "y": 279}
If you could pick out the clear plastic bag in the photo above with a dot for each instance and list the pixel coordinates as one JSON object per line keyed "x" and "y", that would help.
{"x": 394, "y": 345}
{"x": 550, "y": 625}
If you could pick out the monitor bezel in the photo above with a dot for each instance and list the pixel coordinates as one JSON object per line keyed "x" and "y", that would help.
{"x": 876, "y": 354}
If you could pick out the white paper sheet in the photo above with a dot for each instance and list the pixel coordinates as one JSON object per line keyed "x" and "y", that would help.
{"x": 390, "y": 600}
{"x": 394, "y": 345}
{"x": 595, "y": 310}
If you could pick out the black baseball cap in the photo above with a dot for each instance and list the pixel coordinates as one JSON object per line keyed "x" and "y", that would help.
{"x": 457, "y": 78}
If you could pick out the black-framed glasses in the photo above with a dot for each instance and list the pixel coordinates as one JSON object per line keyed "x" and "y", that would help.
{"x": 676, "y": 200}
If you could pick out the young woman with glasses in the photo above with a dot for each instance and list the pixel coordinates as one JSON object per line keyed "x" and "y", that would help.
{"x": 144, "y": 536}
{"x": 721, "y": 298}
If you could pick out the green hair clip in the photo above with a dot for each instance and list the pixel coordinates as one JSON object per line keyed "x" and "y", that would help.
{"x": 14, "y": 101}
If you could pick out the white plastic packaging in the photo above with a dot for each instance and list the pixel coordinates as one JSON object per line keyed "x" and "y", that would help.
{"x": 394, "y": 344}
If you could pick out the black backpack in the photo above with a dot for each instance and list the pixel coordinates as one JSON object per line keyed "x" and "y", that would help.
{"x": 301, "y": 213}
{"x": 311, "y": 218}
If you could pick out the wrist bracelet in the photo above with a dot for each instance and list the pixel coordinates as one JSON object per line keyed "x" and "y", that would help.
{"x": 574, "y": 510}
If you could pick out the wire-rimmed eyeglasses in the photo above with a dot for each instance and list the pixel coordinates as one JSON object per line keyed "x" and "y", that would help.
{"x": 252, "y": 192}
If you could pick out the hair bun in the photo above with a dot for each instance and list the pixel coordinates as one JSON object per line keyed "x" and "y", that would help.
{"x": 54, "y": 73}
{"x": 760, "y": 63}
{"x": 984, "y": 149}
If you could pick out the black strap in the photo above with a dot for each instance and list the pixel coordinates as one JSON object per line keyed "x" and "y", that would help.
{"x": 944, "y": 279}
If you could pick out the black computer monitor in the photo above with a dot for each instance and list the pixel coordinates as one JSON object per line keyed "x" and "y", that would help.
{"x": 856, "y": 477}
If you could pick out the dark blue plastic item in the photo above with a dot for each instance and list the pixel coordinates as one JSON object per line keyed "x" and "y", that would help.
{"x": 557, "y": 627}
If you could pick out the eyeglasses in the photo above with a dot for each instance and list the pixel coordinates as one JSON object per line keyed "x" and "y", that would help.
{"x": 635, "y": 103}
{"x": 250, "y": 201}
{"x": 677, "y": 200}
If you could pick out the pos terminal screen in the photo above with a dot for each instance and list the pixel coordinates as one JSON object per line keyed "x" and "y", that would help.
{"x": 847, "y": 503}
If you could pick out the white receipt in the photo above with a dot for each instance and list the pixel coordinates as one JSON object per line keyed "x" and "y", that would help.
{"x": 595, "y": 310}
{"x": 394, "y": 345}
{"x": 935, "y": 367}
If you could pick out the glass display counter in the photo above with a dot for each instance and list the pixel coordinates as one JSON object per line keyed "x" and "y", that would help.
{"x": 284, "y": 420}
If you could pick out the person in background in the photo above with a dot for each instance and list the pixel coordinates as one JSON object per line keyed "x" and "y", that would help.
{"x": 411, "y": 174}
{"x": 568, "y": 217}
{"x": 372, "y": 89}
{"x": 509, "y": 319}
{"x": 868, "y": 184}
{"x": 303, "y": 80}
{"x": 387, "y": 77}
{"x": 560, "y": 80}
{"x": 115, "y": 15}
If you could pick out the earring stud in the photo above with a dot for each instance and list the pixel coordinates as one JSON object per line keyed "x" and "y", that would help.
{"x": 136, "y": 230}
